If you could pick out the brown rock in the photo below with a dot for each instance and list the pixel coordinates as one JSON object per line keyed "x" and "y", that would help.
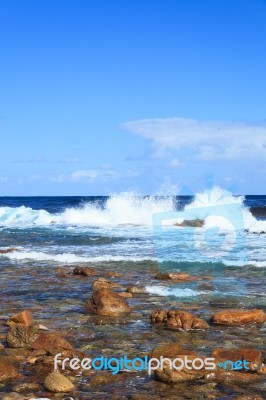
{"x": 126, "y": 295}
{"x": 194, "y": 223}
{"x": 9, "y": 250}
{"x": 102, "y": 283}
{"x": 239, "y": 317}
{"x": 51, "y": 342}
{"x": 178, "y": 319}
{"x": 24, "y": 318}
{"x": 252, "y": 356}
{"x": 84, "y": 271}
{"x": 231, "y": 376}
{"x": 108, "y": 303}
{"x": 177, "y": 277}
{"x": 113, "y": 274}
{"x": 136, "y": 290}
{"x": 173, "y": 375}
{"x": 8, "y": 368}
{"x": 56, "y": 382}
{"x": 21, "y": 336}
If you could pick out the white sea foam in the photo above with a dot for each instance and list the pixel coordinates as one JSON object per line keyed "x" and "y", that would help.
{"x": 128, "y": 209}
{"x": 69, "y": 258}
{"x": 163, "y": 291}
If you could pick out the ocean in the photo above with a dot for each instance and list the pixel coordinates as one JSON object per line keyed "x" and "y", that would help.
{"x": 213, "y": 234}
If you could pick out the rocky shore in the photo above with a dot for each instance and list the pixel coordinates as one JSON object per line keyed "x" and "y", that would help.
{"x": 88, "y": 311}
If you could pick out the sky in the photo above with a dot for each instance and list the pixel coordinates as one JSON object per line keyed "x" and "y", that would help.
{"x": 104, "y": 96}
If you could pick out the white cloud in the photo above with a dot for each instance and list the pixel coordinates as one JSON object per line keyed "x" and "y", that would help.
{"x": 92, "y": 175}
{"x": 209, "y": 140}
{"x": 175, "y": 163}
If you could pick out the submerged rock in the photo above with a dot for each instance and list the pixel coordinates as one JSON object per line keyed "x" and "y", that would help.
{"x": 56, "y": 382}
{"x": 252, "y": 356}
{"x": 102, "y": 283}
{"x": 105, "y": 302}
{"x": 238, "y": 317}
{"x": 178, "y": 319}
{"x": 177, "y": 277}
{"x": 9, "y": 250}
{"x": 84, "y": 271}
{"x": 8, "y": 367}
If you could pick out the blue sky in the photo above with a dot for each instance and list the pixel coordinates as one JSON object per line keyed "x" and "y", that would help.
{"x": 105, "y": 96}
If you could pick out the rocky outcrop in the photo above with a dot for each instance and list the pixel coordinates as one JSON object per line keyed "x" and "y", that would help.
{"x": 193, "y": 223}
{"x": 238, "y": 317}
{"x": 56, "y": 382}
{"x": 105, "y": 302}
{"x": 178, "y": 319}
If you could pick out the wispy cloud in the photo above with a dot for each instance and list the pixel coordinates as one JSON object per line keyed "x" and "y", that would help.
{"x": 92, "y": 175}
{"x": 208, "y": 140}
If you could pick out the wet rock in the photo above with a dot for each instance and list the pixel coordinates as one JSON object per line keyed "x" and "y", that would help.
{"x": 238, "y": 317}
{"x": 102, "y": 283}
{"x": 249, "y": 397}
{"x": 252, "y": 356}
{"x": 84, "y": 271}
{"x": 177, "y": 277}
{"x": 105, "y": 302}
{"x": 16, "y": 396}
{"x": 23, "y": 318}
{"x": 51, "y": 343}
{"x": 231, "y": 376}
{"x": 26, "y": 387}
{"x": 21, "y": 336}
{"x": 171, "y": 352}
{"x": 194, "y": 223}
{"x": 136, "y": 290}
{"x": 56, "y": 382}
{"x": 178, "y": 319}
{"x": 126, "y": 295}
{"x": 113, "y": 274}
{"x": 9, "y": 250}
{"x": 8, "y": 367}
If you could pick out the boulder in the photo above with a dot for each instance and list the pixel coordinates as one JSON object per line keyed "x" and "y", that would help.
{"x": 252, "y": 356}
{"x": 136, "y": 290}
{"x": 51, "y": 343}
{"x": 178, "y": 319}
{"x": 105, "y": 302}
{"x": 23, "y": 318}
{"x": 56, "y": 382}
{"x": 193, "y": 223}
{"x": 176, "y": 277}
{"x": 21, "y": 336}
{"x": 8, "y": 367}
{"x": 84, "y": 271}
{"x": 238, "y": 317}
{"x": 9, "y": 250}
{"x": 173, "y": 351}
{"x": 102, "y": 283}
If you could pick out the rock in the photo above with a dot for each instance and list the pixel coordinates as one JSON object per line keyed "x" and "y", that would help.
{"x": 84, "y": 271}
{"x": 51, "y": 342}
{"x": 9, "y": 250}
{"x": 113, "y": 274}
{"x": 126, "y": 295}
{"x": 8, "y": 367}
{"x": 252, "y": 356}
{"x": 177, "y": 277}
{"x": 173, "y": 351}
{"x": 194, "y": 223}
{"x": 136, "y": 290}
{"x": 56, "y": 382}
{"x": 16, "y": 396}
{"x": 178, "y": 319}
{"x": 25, "y": 387}
{"x": 102, "y": 283}
{"x": 108, "y": 303}
{"x": 21, "y": 336}
{"x": 238, "y": 317}
{"x": 24, "y": 318}
{"x": 231, "y": 376}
